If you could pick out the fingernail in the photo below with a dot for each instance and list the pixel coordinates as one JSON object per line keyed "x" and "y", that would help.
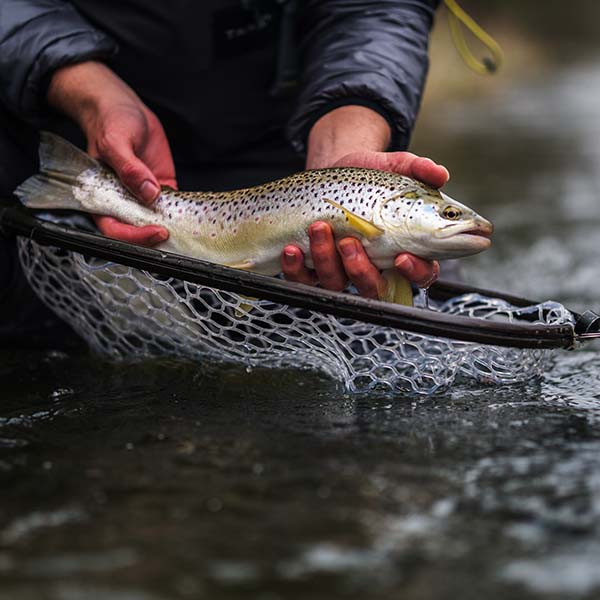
{"x": 148, "y": 191}
{"x": 348, "y": 248}
{"x": 404, "y": 264}
{"x": 317, "y": 233}
{"x": 159, "y": 237}
{"x": 289, "y": 256}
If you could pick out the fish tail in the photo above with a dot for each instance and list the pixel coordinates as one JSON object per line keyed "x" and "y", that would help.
{"x": 61, "y": 164}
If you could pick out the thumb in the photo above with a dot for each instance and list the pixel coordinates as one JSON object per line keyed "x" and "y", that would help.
{"x": 132, "y": 172}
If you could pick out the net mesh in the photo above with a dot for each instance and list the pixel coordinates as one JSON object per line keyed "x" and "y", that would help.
{"x": 125, "y": 312}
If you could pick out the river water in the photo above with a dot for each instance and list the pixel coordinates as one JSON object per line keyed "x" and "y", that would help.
{"x": 164, "y": 480}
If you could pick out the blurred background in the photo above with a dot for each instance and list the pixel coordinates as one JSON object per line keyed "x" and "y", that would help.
{"x": 523, "y": 145}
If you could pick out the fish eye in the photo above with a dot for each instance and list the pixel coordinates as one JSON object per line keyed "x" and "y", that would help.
{"x": 452, "y": 213}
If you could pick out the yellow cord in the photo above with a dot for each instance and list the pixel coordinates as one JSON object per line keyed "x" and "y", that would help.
{"x": 456, "y": 16}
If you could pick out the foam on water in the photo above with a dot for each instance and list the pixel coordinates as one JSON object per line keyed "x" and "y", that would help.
{"x": 575, "y": 572}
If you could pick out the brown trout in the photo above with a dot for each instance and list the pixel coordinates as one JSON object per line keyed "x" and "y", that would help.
{"x": 248, "y": 228}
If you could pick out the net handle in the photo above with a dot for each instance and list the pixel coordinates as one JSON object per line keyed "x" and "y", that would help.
{"x": 15, "y": 219}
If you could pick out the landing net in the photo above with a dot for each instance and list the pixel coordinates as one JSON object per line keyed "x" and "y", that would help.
{"x": 124, "y": 312}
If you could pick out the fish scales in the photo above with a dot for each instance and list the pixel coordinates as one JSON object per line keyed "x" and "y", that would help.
{"x": 256, "y": 223}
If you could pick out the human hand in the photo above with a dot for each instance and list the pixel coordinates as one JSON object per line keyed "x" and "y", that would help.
{"x": 330, "y": 145}
{"x": 123, "y": 133}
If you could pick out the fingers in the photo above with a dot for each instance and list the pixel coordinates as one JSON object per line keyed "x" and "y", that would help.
{"x": 361, "y": 271}
{"x": 292, "y": 264}
{"x": 425, "y": 170}
{"x": 421, "y": 272}
{"x": 326, "y": 259}
{"x": 417, "y": 167}
{"x": 117, "y": 151}
{"x": 333, "y": 267}
{"x": 149, "y": 235}
{"x": 404, "y": 163}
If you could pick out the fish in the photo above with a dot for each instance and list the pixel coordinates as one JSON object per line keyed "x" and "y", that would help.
{"x": 248, "y": 228}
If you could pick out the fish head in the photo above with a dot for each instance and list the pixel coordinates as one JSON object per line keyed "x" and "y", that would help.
{"x": 432, "y": 225}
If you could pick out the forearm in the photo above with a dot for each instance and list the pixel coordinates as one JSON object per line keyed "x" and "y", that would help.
{"x": 343, "y": 131}
{"x": 372, "y": 54}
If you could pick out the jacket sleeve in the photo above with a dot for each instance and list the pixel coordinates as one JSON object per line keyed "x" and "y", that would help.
{"x": 36, "y": 38}
{"x": 370, "y": 53}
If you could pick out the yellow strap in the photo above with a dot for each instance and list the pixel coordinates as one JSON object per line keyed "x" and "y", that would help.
{"x": 456, "y": 16}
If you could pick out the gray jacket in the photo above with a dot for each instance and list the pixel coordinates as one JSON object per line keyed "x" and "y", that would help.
{"x": 201, "y": 63}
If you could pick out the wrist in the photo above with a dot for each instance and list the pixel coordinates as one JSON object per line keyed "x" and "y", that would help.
{"x": 83, "y": 90}
{"x": 345, "y": 130}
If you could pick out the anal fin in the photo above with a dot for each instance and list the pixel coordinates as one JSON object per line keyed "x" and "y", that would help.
{"x": 245, "y": 265}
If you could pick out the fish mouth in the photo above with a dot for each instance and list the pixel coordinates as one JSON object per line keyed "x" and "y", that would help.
{"x": 466, "y": 238}
{"x": 477, "y": 241}
{"x": 483, "y": 229}
{"x": 479, "y": 232}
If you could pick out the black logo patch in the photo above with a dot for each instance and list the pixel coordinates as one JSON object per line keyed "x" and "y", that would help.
{"x": 238, "y": 30}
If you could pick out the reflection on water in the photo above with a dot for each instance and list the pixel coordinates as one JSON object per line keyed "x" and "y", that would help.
{"x": 161, "y": 480}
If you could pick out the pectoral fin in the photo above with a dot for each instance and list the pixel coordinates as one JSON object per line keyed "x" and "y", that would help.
{"x": 397, "y": 290}
{"x": 364, "y": 227}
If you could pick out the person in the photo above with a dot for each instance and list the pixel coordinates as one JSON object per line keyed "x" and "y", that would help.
{"x": 218, "y": 95}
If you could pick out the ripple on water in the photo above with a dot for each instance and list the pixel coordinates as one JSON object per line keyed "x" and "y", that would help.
{"x": 32, "y": 523}
{"x": 66, "y": 565}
